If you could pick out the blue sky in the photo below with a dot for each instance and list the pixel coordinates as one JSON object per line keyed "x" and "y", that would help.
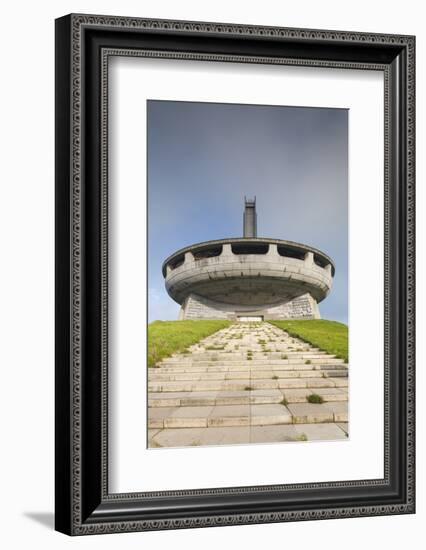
{"x": 203, "y": 158}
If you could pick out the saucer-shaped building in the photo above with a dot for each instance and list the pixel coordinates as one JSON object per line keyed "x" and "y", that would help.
{"x": 248, "y": 278}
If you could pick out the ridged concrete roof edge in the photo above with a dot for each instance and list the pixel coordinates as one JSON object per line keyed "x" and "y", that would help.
{"x": 245, "y": 240}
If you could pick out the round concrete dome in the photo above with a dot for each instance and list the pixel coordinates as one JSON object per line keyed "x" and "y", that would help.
{"x": 266, "y": 277}
{"x": 248, "y": 271}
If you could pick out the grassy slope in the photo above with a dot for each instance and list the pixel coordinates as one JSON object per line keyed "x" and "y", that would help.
{"x": 168, "y": 337}
{"x": 329, "y": 336}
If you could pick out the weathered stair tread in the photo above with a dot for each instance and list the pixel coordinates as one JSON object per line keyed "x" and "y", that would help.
{"x": 243, "y": 435}
{"x": 246, "y": 415}
{"x": 296, "y": 432}
{"x": 197, "y": 437}
{"x": 246, "y": 384}
{"x": 252, "y": 366}
{"x": 230, "y": 415}
{"x": 259, "y": 396}
{"x": 259, "y": 359}
{"x": 264, "y": 415}
{"x": 304, "y": 413}
{"x": 243, "y": 374}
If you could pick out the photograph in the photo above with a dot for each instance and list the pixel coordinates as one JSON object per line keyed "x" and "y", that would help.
{"x": 210, "y": 292}
{"x": 247, "y": 256}
{"x": 234, "y": 273}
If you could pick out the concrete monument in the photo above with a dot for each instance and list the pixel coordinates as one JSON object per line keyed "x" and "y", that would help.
{"x": 249, "y": 278}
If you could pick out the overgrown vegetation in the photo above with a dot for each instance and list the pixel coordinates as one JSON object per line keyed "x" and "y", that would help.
{"x": 329, "y": 336}
{"x": 168, "y": 337}
{"x": 314, "y": 398}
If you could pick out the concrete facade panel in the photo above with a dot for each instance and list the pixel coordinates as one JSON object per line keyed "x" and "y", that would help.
{"x": 197, "y": 307}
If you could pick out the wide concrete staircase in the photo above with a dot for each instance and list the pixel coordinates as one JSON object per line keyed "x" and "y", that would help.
{"x": 249, "y": 383}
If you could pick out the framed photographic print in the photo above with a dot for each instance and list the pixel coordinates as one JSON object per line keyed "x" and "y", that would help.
{"x": 234, "y": 274}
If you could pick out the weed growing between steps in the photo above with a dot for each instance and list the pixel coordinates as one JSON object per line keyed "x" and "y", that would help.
{"x": 330, "y": 336}
{"x": 314, "y": 398}
{"x": 168, "y": 337}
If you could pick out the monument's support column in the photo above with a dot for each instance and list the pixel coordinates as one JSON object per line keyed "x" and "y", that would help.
{"x": 309, "y": 258}
{"x": 227, "y": 250}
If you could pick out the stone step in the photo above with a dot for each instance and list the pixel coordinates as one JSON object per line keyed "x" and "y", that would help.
{"x": 246, "y": 384}
{"x": 274, "y": 396}
{"x": 221, "y": 415}
{"x": 258, "y": 351}
{"x": 224, "y": 360}
{"x": 234, "y": 435}
{"x": 230, "y": 356}
{"x": 335, "y": 372}
{"x": 339, "y": 382}
{"x": 304, "y": 413}
{"x": 295, "y": 395}
{"x": 241, "y": 350}
{"x": 246, "y": 415}
{"x": 231, "y": 368}
{"x": 248, "y": 367}
{"x": 243, "y": 375}
{"x": 242, "y": 355}
{"x": 251, "y": 364}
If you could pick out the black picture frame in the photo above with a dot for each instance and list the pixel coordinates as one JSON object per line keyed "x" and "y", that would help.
{"x": 83, "y": 45}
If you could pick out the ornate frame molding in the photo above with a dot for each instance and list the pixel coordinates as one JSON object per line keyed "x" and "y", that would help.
{"x": 85, "y": 507}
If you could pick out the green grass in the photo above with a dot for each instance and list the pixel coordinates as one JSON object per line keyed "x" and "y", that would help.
{"x": 330, "y": 336}
{"x": 168, "y": 337}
